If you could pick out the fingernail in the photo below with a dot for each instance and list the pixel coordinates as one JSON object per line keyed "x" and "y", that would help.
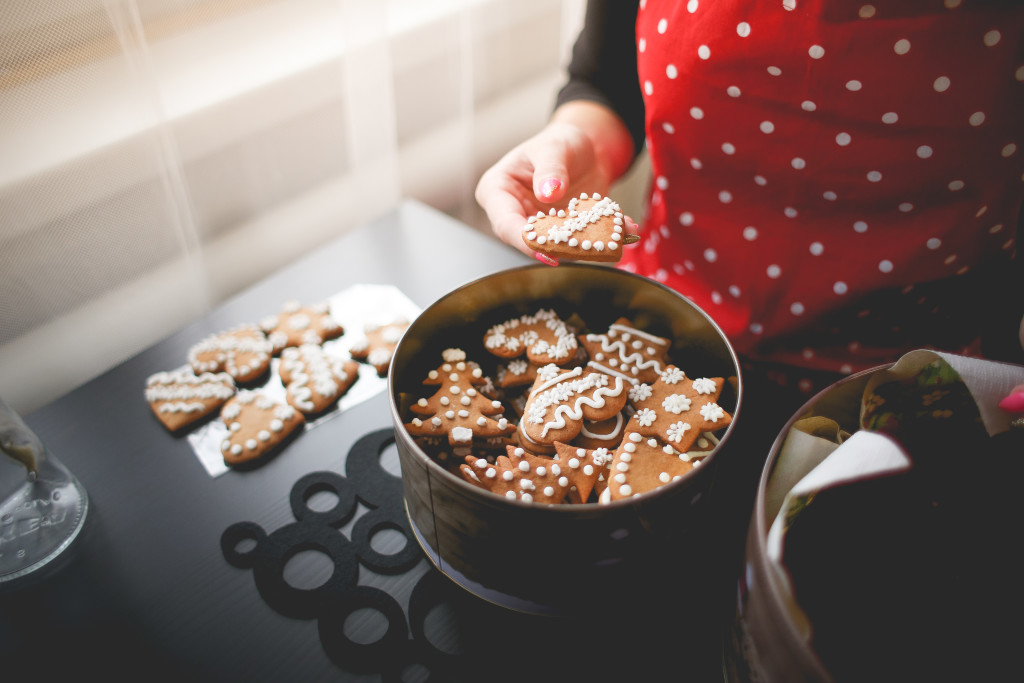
{"x": 545, "y": 259}
{"x": 549, "y": 187}
{"x": 1013, "y": 403}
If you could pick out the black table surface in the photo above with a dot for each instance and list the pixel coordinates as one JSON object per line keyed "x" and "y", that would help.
{"x": 148, "y": 594}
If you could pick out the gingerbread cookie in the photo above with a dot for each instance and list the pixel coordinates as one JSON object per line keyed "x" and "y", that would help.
{"x": 297, "y": 324}
{"x": 458, "y": 408}
{"x": 605, "y": 433}
{"x": 180, "y": 398}
{"x": 314, "y": 380}
{"x": 627, "y": 351}
{"x": 257, "y": 427}
{"x": 520, "y": 476}
{"x": 542, "y": 337}
{"x": 590, "y": 228}
{"x": 378, "y": 345}
{"x": 560, "y": 400}
{"x": 587, "y": 469}
{"x": 642, "y": 464}
{"x": 676, "y": 409}
{"x": 243, "y": 352}
{"x": 518, "y": 372}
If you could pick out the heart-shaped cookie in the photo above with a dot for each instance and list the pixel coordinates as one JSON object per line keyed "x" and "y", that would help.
{"x": 180, "y": 398}
{"x": 590, "y": 228}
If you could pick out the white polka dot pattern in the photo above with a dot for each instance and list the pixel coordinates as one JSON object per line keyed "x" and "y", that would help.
{"x": 882, "y": 167}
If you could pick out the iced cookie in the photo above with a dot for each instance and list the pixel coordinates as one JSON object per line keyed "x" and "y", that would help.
{"x": 314, "y": 379}
{"x": 587, "y": 469}
{"x": 257, "y": 427}
{"x": 297, "y": 324}
{"x": 243, "y": 352}
{"x": 676, "y": 409}
{"x": 590, "y": 228}
{"x": 378, "y": 345}
{"x": 520, "y": 476}
{"x": 458, "y": 408}
{"x": 627, "y": 351}
{"x": 542, "y": 338}
{"x": 643, "y": 464}
{"x": 181, "y": 398}
{"x": 561, "y": 399}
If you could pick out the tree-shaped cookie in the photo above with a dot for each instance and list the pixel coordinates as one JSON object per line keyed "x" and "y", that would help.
{"x": 561, "y": 399}
{"x": 243, "y": 352}
{"x": 378, "y": 344}
{"x": 627, "y": 350}
{"x": 542, "y": 337}
{"x": 677, "y": 409}
{"x": 314, "y": 379}
{"x": 297, "y": 324}
{"x": 590, "y": 228}
{"x": 457, "y": 408}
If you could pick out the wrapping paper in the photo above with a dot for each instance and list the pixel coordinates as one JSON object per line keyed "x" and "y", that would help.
{"x": 859, "y": 430}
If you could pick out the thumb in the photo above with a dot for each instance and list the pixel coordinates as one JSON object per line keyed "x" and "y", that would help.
{"x": 550, "y": 182}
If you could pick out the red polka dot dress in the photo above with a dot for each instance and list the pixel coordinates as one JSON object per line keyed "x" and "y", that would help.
{"x": 832, "y": 180}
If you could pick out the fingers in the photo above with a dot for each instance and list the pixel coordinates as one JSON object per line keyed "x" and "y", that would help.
{"x": 1014, "y": 402}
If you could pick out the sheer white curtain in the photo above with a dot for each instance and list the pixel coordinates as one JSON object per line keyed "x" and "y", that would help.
{"x": 157, "y": 156}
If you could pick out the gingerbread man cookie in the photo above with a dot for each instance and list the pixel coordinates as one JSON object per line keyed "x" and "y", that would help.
{"x": 297, "y": 324}
{"x": 627, "y": 351}
{"x": 314, "y": 380}
{"x": 676, "y": 409}
{"x": 180, "y": 398}
{"x": 257, "y": 426}
{"x": 458, "y": 408}
{"x": 560, "y": 400}
{"x": 542, "y": 337}
{"x": 590, "y": 228}
{"x": 378, "y": 345}
{"x": 243, "y": 352}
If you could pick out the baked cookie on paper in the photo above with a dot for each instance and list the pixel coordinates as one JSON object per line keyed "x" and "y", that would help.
{"x": 314, "y": 379}
{"x": 244, "y": 352}
{"x": 378, "y": 345}
{"x": 180, "y": 398}
{"x": 297, "y": 324}
{"x": 258, "y": 426}
{"x": 590, "y": 228}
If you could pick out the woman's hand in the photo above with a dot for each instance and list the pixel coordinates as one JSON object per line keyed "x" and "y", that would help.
{"x": 584, "y": 148}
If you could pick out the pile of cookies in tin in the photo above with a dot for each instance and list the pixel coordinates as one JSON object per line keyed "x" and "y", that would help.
{"x": 568, "y": 416}
{"x": 229, "y": 372}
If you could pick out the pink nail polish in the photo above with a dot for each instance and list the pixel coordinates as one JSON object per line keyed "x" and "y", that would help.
{"x": 550, "y": 186}
{"x": 545, "y": 259}
{"x": 1013, "y": 403}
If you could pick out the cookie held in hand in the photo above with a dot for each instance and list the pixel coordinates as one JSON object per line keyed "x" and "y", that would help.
{"x": 590, "y": 228}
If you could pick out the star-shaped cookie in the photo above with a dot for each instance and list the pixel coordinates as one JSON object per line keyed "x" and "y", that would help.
{"x": 676, "y": 409}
